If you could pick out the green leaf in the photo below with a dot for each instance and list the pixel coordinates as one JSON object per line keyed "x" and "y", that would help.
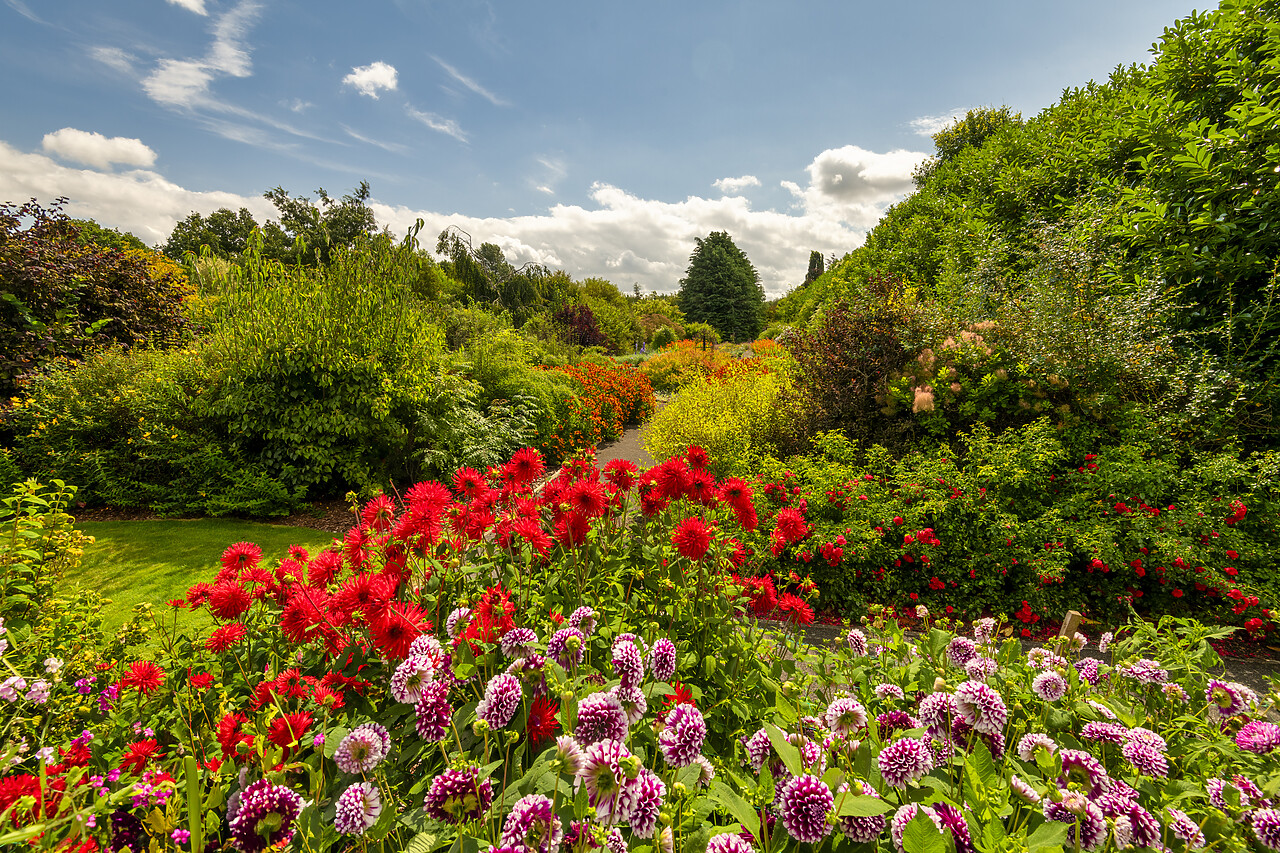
{"x": 1049, "y": 836}
{"x": 921, "y": 836}
{"x": 859, "y": 805}
{"x": 789, "y": 754}
{"x": 736, "y": 806}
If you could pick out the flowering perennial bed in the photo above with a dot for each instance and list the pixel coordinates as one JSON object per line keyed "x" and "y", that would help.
{"x": 580, "y": 669}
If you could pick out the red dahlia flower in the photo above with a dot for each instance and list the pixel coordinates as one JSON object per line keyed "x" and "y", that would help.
{"x": 542, "y": 722}
{"x": 621, "y": 473}
{"x": 144, "y": 676}
{"x": 396, "y": 629}
{"x": 138, "y": 754}
{"x": 691, "y": 538}
{"x": 240, "y": 556}
{"x": 526, "y": 465}
{"x": 287, "y": 731}
{"x": 228, "y": 600}
{"x": 378, "y": 514}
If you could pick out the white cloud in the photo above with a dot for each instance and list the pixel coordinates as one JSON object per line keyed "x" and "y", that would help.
{"x": 471, "y": 84}
{"x": 368, "y": 79}
{"x": 618, "y": 235}
{"x": 114, "y": 57}
{"x": 140, "y": 201}
{"x": 24, "y": 10}
{"x": 929, "y": 125}
{"x": 186, "y": 82}
{"x": 196, "y": 6}
{"x": 297, "y": 105}
{"x": 733, "y": 186}
{"x": 853, "y": 185}
{"x": 393, "y": 147}
{"x": 438, "y": 123}
{"x": 94, "y": 149}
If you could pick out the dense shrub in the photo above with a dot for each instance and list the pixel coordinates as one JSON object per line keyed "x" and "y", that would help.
{"x": 606, "y": 399}
{"x": 681, "y": 363}
{"x": 61, "y": 298}
{"x": 1017, "y": 525}
{"x": 734, "y": 418}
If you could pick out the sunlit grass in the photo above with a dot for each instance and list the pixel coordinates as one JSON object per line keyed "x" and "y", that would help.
{"x": 132, "y": 562}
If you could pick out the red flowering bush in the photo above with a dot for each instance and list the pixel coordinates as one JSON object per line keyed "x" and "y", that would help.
{"x": 608, "y": 399}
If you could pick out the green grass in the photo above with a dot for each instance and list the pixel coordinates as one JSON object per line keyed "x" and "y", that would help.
{"x": 132, "y": 562}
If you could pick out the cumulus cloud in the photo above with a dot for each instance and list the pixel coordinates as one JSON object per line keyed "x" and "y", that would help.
{"x": 437, "y": 123}
{"x": 196, "y": 6}
{"x": 853, "y": 185}
{"x": 929, "y": 125}
{"x": 733, "y": 186}
{"x": 186, "y": 82}
{"x": 470, "y": 83}
{"x": 140, "y": 201}
{"x": 368, "y": 79}
{"x": 618, "y": 235}
{"x": 94, "y": 149}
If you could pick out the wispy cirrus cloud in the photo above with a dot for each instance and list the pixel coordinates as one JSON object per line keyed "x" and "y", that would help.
{"x": 186, "y": 82}
{"x": 369, "y": 79}
{"x": 436, "y": 122}
{"x": 471, "y": 84}
{"x": 929, "y": 125}
{"x": 196, "y": 6}
{"x": 24, "y": 10}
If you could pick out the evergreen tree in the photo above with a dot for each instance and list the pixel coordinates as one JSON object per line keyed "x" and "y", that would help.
{"x": 816, "y": 268}
{"x": 722, "y": 288}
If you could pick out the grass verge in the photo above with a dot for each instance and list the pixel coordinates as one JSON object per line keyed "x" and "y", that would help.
{"x": 132, "y": 562}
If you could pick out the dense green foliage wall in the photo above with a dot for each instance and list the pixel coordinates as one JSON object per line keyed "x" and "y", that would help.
{"x": 1160, "y": 181}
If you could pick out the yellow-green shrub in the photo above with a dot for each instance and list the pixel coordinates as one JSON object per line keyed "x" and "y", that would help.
{"x": 731, "y": 419}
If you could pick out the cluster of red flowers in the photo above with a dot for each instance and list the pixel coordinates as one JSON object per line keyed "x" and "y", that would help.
{"x": 761, "y": 598}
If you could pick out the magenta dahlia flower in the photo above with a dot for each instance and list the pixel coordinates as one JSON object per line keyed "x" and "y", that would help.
{"x": 981, "y": 707}
{"x": 600, "y": 717}
{"x": 1258, "y": 736}
{"x": 605, "y": 777}
{"x": 566, "y": 646}
{"x": 662, "y": 659}
{"x": 362, "y": 749}
{"x": 532, "y": 826}
{"x": 861, "y": 829}
{"x": 1033, "y": 741}
{"x": 357, "y": 809}
{"x": 458, "y": 794}
{"x": 846, "y": 715}
{"x": 434, "y": 714}
{"x": 645, "y": 794}
{"x": 804, "y": 805}
{"x": 518, "y": 642}
{"x": 1049, "y": 686}
{"x": 501, "y": 700}
{"x": 267, "y": 807}
{"x": 681, "y": 739}
{"x": 628, "y": 663}
{"x": 905, "y": 760}
{"x": 729, "y": 842}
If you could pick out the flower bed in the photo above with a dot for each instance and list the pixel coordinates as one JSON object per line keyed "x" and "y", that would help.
{"x": 608, "y": 399}
{"x": 482, "y": 667}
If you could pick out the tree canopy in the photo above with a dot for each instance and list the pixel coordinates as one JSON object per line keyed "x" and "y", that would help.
{"x": 722, "y": 288}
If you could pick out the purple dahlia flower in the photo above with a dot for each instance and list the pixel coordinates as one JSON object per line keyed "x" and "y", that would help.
{"x": 905, "y": 760}
{"x": 268, "y": 807}
{"x": 600, "y": 717}
{"x": 532, "y": 826}
{"x": 804, "y": 805}
{"x": 662, "y": 659}
{"x": 357, "y": 809}
{"x": 458, "y": 794}
{"x": 681, "y": 739}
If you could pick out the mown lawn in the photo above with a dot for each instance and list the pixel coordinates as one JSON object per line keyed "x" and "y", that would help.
{"x": 132, "y": 562}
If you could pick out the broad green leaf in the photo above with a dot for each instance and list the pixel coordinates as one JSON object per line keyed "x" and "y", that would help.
{"x": 789, "y": 753}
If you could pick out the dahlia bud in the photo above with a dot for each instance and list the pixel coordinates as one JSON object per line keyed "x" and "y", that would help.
{"x": 679, "y": 789}
{"x": 480, "y": 727}
{"x": 630, "y": 766}
{"x": 939, "y": 684}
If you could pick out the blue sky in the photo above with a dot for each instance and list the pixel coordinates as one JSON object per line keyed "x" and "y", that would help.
{"x": 601, "y": 138}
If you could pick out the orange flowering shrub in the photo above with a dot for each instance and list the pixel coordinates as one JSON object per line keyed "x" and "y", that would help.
{"x": 608, "y": 399}
{"x": 680, "y": 363}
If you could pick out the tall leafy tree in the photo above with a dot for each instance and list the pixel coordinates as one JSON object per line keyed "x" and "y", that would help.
{"x": 224, "y": 231}
{"x": 722, "y": 288}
